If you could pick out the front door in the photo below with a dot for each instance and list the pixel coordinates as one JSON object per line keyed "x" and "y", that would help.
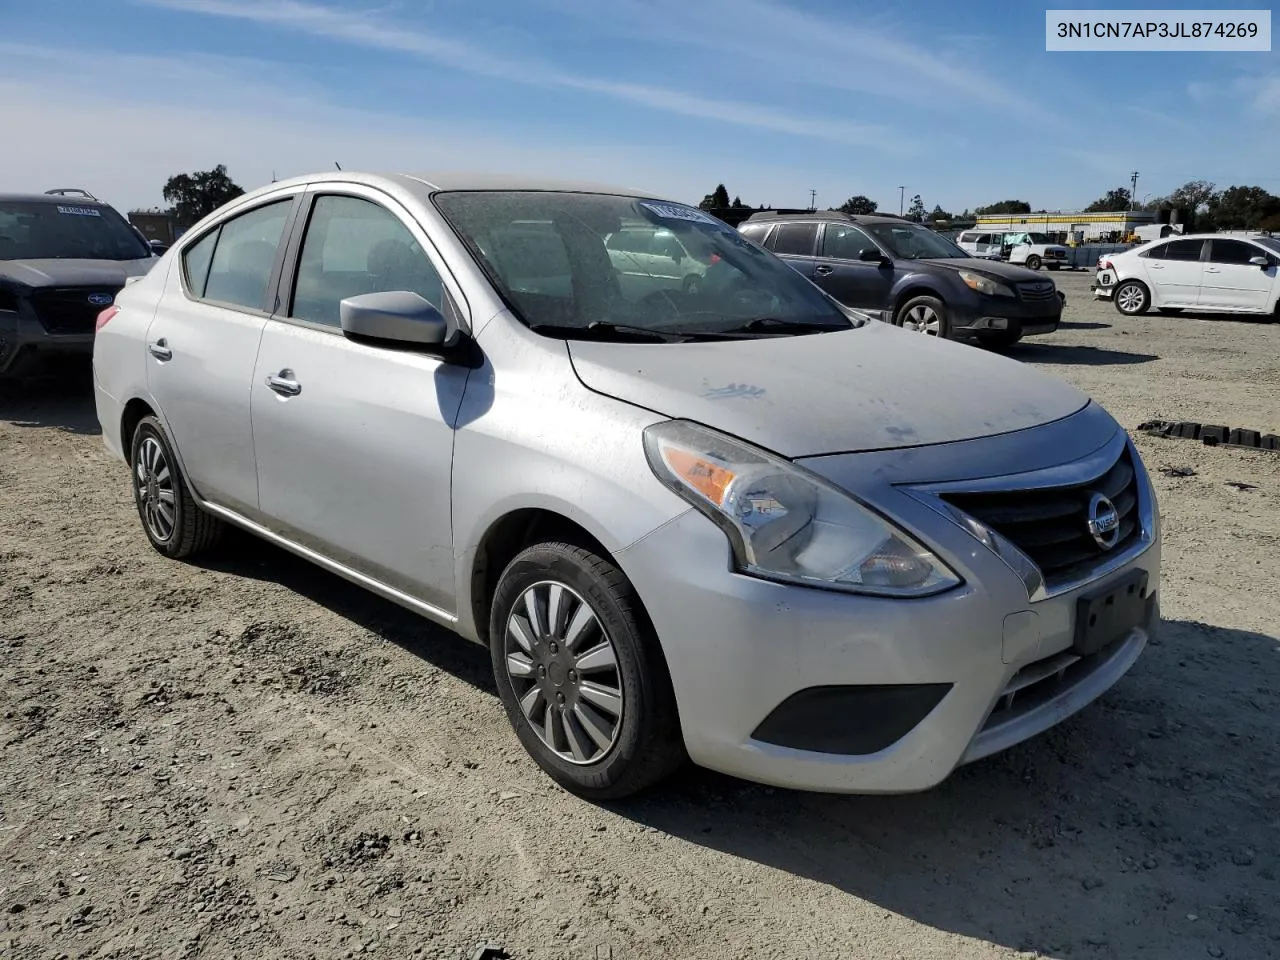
{"x": 840, "y": 271}
{"x": 354, "y": 441}
{"x": 1231, "y": 282}
{"x": 202, "y": 345}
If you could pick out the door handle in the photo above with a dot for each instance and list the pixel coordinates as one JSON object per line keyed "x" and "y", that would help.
{"x": 1212, "y": 270}
{"x": 160, "y": 350}
{"x": 1154, "y": 266}
{"x": 284, "y": 384}
{"x": 824, "y": 271}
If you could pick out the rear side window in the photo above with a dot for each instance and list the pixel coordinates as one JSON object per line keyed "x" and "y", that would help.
{"x": 244, "y": 255}
{"x": 1178, "y": 250}
{"x": 195, "y": 262}
{"x": 795, "y": 238}
{"x": 1233, "y": 251}
{"x": 754, "y": 231}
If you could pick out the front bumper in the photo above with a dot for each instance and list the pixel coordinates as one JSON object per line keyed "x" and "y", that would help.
{"x": 23, "y": 339}
{"x": 738, "y": 648}
{"x": 1002, "y": 314}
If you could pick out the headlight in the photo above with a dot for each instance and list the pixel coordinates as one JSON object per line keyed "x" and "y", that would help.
{"x": 984, "y": 284}
{"x": 787, "y": 524}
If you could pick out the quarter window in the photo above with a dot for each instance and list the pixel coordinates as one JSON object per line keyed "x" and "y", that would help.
{"x": 244, "y": 255}
{"x": 754, "y": 231}
{"x": 195, "y": 262}
{"x": 844, "y": 242}
{"x": 352, "y": 247}
{"x": 795, "y": 238}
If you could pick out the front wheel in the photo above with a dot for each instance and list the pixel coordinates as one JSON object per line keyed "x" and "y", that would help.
{"x": 173, "y": 521}
{"x": 924, "y": 314}
{"x": 1033, "y": 262}
{"x": 1132, "y": 298}
{"x": 580, "y": 673}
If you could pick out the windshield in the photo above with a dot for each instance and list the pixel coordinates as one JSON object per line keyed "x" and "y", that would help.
{"x": 1271, "y": 243}
{"x": 567, "y": 261}
{"x": 36, "y": 230}
{"x": 1037, "y": 238}
{"x": 908, "y": 241}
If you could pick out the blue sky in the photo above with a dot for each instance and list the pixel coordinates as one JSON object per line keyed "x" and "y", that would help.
{"x": 959, "y": 102}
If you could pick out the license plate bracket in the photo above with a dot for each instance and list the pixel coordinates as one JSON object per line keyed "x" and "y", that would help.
{"x": 1107, "y": 614}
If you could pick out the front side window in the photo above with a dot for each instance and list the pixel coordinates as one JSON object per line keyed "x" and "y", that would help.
{"x": 795, "y": 238}
{"x": 844, "y": 242}
{"x": 1233, "y": 251}
{"x": 66, "y": 230}
{"x": 354, "y": 246}
{"x": 244, "y": 255}
{"x": 548, "y": 255}
{"x": 909, "y": 241}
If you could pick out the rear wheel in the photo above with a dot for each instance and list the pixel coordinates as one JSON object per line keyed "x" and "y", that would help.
{"x": 580, "y": 673}
{"x": 1033, "y": 262}
{"x": 171, "y": 518}
{"x": 924, "y": 314}
{"x": 1131, "y": 298}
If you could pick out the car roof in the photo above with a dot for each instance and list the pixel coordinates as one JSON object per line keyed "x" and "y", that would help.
{"x": 50, "y": 198}
{"x": 774, "y": 216}
{"x": 443, "y": 181}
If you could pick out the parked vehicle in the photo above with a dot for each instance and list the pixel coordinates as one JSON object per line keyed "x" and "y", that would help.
{"x": 1031, "y": 250}
{"x": 649, "y": 258}
{"x": 907, "y": 275}
{"x": 62, "y": 259}
{"x": 740, "y": 523}
{"x": 1204, "y": 272}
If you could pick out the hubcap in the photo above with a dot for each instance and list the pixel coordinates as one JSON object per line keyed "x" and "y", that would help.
{"x": 564, "y": 670}
{"x": 1130, "y": 298}
{"x": 922, "y": 319}
{"x": 153, "y": 485}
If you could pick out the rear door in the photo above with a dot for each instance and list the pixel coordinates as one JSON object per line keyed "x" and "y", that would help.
{"x": 203, "y": 341}
{"x": 354, "y": 441}
{"x": 1174, "y": 269}
{"x": 1231, "y": 282}
{"x": 797, "y": 244}
{"x": 841, "y": 273}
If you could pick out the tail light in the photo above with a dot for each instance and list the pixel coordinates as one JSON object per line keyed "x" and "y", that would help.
{"x": 1104, "y": 264}
{"x": 105, "y": 317}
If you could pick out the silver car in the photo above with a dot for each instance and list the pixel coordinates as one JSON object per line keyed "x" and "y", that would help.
{"x": 736, "y": 523}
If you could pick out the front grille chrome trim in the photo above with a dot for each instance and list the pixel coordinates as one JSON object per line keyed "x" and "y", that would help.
{"x": 1074, "y": 474}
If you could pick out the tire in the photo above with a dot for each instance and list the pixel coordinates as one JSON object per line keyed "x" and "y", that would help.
{"x": 157, "y": 480}
{"x": 1033, "y": 262}
{"x": 1000, "y": 341}
{"x": 629, "y": 750}
{"x": 1137, "y": 300}
{"x": 916, "y": 314}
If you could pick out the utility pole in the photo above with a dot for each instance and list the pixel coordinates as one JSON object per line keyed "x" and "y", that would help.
{"x": 902, "y": 192}
{"x": 813, "y": 199}
{"x": 1133, "y": 179}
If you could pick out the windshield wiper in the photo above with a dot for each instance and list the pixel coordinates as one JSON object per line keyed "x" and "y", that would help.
{"x": 777, "y": 325}
{"x": 599, "y": 330}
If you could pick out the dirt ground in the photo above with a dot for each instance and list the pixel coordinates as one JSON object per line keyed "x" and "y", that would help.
{"x": 248, "y": 757}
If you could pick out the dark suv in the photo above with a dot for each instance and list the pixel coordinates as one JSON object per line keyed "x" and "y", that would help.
{"x": 63, "y": 259}
{"x": 908, "y": 275}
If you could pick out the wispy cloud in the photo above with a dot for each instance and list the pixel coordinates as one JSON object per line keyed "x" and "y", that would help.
{"x": 372, "y": 30}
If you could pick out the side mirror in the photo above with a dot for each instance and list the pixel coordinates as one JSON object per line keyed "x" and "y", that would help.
{"x": 870, "y": 255}
{"x": 394, "y": 317}
{"x": 1262, "y": 262}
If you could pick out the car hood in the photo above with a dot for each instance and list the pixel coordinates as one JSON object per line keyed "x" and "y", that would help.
{"x": 72, "y": 273}
{"x": 992, "y": 268}
{"x": 870, "y": 388}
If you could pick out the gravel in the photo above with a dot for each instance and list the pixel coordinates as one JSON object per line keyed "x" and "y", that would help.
{"x": 248, "y": 757}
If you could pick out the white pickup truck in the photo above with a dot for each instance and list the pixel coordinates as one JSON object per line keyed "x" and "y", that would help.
{"x": 1021, "y": 247}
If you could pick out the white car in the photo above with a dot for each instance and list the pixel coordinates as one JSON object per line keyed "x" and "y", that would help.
{"x": 647, "y": 260}
{"x": 1032, "y": 250}
{"x": 1207, "y": 272}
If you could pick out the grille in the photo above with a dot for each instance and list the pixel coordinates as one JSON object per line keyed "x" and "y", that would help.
{"x": 1050, "y": 525}
{"x": 1036, "y": 292}
{"x": 1037, "y": 683}
{"x": 67, "y": 309}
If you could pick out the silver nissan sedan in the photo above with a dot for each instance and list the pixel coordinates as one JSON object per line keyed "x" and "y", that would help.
{"x": 726, "y": 520}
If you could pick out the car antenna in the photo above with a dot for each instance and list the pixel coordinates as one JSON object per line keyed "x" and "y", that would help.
{"x": 337, "y": 164}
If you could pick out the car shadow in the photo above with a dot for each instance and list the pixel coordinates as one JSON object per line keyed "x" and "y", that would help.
{"x": 1257, "y": 319}
{"x": 1082, "y": 325}
{"x": 1097, "y": 838}
{"x": 243, "y": 555}
{"x": 1075, "y": 355}
{"x": 61, "y": 398}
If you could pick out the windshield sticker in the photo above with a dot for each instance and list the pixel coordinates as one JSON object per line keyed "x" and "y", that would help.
{"x": 671, "y": 211}
{"x": 80, "y": 211}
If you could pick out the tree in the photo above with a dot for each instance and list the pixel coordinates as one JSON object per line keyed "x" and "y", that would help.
{"x": 1194, "y": 195}
{"x": 717, "y": 199}
{"x": 196, "y": 195}
{"x": 939, "y": 214}
{"x": 1117, "y": 199}
{"x": 858, "y": 204}
{"x": 916, "y": 210}
{"x": 739, "y": 205}
{"x": 1004, "y": 206}
{"x": 1243, "y": 208}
